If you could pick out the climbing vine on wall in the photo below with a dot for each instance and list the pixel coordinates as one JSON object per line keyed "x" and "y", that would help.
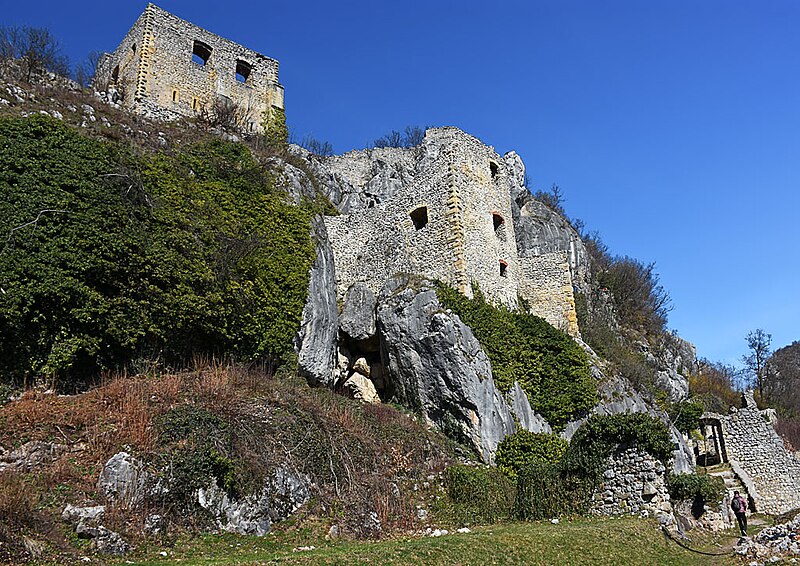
{"x": 108, "y": 256}
{"x": 549, "y": 366}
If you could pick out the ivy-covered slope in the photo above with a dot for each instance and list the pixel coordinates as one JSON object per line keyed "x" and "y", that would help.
{"x": 549, "y": 366}
{"x": 108, "y": 256}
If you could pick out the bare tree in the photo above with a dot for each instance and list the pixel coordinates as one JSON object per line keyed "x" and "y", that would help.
{"x": 86, "y": 69}
{"x": 756, "y": 362}
{"x": 414, "y": 136}
{"x": 36, "y": 49}
{"x": 392, "y": 139}
{"x": 316, "y": 146}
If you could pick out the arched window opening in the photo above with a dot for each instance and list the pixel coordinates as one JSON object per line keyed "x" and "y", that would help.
{"x": 174, "y": 96}
{"x": 419, "y": 216}
{"x": 493, "y": 167}
{"x": 201, "y": 53}
{"x": 133, "y": 48}
{"x": 503, "y": 268}
{"x": 243, "y": 70}
{"x": 115, "y": 74}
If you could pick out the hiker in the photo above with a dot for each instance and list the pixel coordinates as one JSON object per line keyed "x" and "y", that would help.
{"x": 739, "y": 506}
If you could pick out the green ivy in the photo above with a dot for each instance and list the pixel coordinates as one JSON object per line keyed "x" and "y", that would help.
{"x": 566, "y": 486}
{"x": 549, "y": 366}
{"x": 524, "y": 448}
{"x": 689, "y": 487}
{"x": 107, "y": 256}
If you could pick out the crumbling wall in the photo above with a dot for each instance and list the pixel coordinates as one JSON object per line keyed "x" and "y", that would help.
{"x": 547, "y": 286}
{"x": 470, "y": 231}
{"x": 467, "y": 232}
{"x": 634, "y": 483}
{"x": 153, "y": 71}
{"x": 752, "y": 443}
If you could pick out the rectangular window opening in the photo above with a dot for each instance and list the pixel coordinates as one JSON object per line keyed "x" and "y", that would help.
{"x": 201, "y": 52}
{"x": 243, "y": 70}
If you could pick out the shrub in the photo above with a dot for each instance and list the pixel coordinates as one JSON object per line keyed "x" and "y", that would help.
{"x": 685, "y": 415}
{"x": 566, "y": 486}
{"x": 524, "y": 448}
{"x": 546, "y": 490}
{"x": 549, "y": 366}
{"x": 476, "y": 495}
{"x": 193, "y": 437}
{"x": 108, "y": 256}
{"x": 690, "y": 487}
{"x": 596, "y": 439}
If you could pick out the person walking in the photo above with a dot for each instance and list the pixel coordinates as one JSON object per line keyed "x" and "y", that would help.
{"x": 739, "y": 506}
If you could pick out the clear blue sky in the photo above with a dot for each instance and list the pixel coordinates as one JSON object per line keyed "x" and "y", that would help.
{"x": 673, "y": 127}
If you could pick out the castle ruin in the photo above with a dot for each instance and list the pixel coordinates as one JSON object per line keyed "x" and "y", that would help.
{"x": 167, "y": 68}
{"x": 443, "y": 210}
{"x": 746, "y": 438}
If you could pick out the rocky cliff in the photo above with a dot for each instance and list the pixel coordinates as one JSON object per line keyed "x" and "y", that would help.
{"x": 394, "y": 341}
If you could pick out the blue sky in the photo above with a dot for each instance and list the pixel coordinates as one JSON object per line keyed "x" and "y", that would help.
{"x": 672, "y": 127}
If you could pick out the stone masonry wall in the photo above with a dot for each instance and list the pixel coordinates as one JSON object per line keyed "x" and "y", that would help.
{"x": 634, "y": 483}
{"x": 547, "y": 285}
{"x": 153, "y": 69}
{"x": 751, "y": 441}
{"x": 465, "y": 189}
{"x": 452, "y": 177}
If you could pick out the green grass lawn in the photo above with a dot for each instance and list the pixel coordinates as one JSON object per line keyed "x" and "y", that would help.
{"x": 583, "y": 541}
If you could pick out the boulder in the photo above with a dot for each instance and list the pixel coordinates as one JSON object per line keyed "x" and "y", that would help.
{"x": 123, "y": 479}
{"x": 31, "y": 455}
{"x": 358, "y": 315}
{"x": 437, "y": 367}
{"x": 315, "y": 342}
{"x": 361, "y": 388}
{"x": 83, "y": 515}
{"x": 254, "y": 514}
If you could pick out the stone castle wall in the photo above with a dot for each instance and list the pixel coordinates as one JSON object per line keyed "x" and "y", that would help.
{"x": 155, "y": 73}
{"x": 468, "y": 233}
{"x": 752, "y": 443}
{"x": 453, "y": 181}
{"x": 547, "y": 286}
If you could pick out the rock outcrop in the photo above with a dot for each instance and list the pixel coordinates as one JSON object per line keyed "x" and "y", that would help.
{"x": 253, "y": 515}
{"x": 438, "y": 368}
{"x": 316, "y": 340}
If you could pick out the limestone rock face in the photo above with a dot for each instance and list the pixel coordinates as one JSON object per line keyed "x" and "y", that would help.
{"x": 123, "y": 479}
{"x": 437, "y": 366}
{"x": 358, "y": 316}
{"x": 316, "y": 340}
{"x": 526, "y": 417}
{"x": 361, "y": 388}
{"x": 254, "y": 515}
{"x": 674, "y": 362}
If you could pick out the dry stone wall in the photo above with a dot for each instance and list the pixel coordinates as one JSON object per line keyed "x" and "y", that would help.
{"x": 752, "y": 443}
{"x": 634, "y": 483}
{"x": 154, "y": 71}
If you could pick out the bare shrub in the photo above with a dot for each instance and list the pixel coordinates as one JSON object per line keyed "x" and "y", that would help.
{"x": 16, "y": 500}
{"x": 36, "y": 49}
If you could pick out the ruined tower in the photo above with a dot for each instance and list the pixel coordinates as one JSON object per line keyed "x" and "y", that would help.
{"x": 167, "y": 68}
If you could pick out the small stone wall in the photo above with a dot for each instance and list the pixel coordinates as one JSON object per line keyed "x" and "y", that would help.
{"x": 634, "y": 482}
{"x": 547, "y": 285}
{"x": 752, "y": 443}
